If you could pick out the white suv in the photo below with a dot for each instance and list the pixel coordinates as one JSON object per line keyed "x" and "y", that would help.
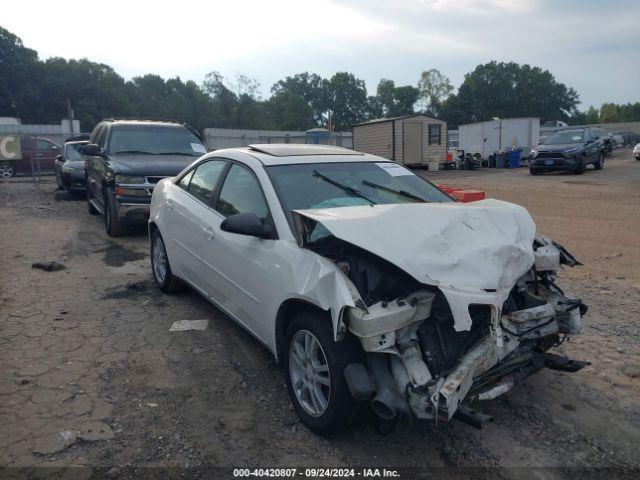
{"x": 367, "y": 282}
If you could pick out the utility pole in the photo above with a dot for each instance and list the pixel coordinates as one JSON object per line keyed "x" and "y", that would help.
{"x": 70, "y": 115}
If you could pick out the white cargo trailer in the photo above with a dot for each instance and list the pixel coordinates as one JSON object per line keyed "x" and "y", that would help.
{"x": 503, "y": 134}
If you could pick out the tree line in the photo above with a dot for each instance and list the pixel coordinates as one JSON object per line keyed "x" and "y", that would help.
{"x": 38, "y": 91}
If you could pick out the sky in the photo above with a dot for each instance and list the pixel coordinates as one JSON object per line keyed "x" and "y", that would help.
{"x": 592, "y": 46}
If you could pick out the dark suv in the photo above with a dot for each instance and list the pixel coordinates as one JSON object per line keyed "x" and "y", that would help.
{"x": 570, "y": 149}
{"x": 126, "y": 158}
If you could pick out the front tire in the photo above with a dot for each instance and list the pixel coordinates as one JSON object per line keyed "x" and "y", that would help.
{"x": 579, "y": 169}
{"x": 600, "y": 162}
{"x": 112, "y": 225}
{"x": 314, "y": 366}
{"x": 533, "y": 171}
{"x": 162, "y": 274}
{"x": 7, "y": 169}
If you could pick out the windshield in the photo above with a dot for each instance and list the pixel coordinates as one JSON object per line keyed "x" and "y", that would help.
{"x": 563, "y": 137}
{"x": 331, "y": 185}
{"x": 73, "y": 152}
{"x": 155, "y": 140}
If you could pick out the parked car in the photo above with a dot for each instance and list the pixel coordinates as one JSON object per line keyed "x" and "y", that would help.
{"x": 124, "y": 160}
{"x": 41, "y": 150}
{"x": 629, "y": 138}
{"x": 69, "y": 167}
{"x": 606, "y": 139}
{"x": 636, "y": 151}
{"x": 367, "y": 283}
{"x": 569, "y": 149}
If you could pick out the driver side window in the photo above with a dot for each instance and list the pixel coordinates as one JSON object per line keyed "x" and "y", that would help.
{"x": 241, "y": 193}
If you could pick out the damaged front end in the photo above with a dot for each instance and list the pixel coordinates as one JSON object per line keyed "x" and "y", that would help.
{"x": 432, "y": 346}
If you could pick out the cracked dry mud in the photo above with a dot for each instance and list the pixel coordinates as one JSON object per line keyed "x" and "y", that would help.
{"x": 92, "y": 376}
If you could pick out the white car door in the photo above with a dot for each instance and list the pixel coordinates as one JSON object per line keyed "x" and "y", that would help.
{"x": 189, "y": 203}
{"x": 249, "y": 266}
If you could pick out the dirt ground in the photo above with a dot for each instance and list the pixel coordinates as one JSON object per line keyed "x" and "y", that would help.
{"x": 91, "y": 375}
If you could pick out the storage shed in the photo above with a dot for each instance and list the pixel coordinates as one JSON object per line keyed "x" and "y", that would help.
{"x": 410, "y": 139}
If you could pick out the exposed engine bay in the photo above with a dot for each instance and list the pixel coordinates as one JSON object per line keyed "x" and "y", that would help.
{"x": 424, "y": 363}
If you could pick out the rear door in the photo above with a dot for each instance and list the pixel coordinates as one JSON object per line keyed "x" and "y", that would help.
{"x": 187, "y": 230}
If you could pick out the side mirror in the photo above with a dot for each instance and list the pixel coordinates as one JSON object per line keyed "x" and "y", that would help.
{"x": 59, "y": 158}
{"x": 92, "y": 149}
{"x": 247, "y": 223}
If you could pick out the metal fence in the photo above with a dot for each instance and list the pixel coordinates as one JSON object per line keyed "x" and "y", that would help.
{"x": 217, "y": 138}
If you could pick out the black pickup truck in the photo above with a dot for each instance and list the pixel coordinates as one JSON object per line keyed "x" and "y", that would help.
{"x": 124, "y": 160}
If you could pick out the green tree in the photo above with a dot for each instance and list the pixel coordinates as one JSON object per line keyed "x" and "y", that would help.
{"x": 395, "y": 101}
{"x": 511, "y": 90}
{"x": 434, "y": 88}
{"x": 20, "y": 79}
{"x": 347, "y": 100}
{"x": 314, "y": 89}
{"x": 289, "y": 111}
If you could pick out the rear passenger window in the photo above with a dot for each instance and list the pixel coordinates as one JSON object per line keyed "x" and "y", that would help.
{"x": 241, "y": 193}
{"x": 204, "y": 180}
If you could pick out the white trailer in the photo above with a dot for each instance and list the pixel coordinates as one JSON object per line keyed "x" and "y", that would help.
{"x": 497, "y": 135}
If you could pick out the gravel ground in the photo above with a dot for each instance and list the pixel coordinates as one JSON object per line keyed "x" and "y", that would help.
{"x": 91, "y": 375}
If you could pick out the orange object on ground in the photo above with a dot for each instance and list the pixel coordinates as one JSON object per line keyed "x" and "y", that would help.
{"x": 466, "y": 196}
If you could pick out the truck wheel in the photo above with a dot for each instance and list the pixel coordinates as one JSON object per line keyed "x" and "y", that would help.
{"x": 7, "y": 169}
{"x": 314, "y": 366}
{"x": 162, "y": 274}
{"x": 112, "y": 225}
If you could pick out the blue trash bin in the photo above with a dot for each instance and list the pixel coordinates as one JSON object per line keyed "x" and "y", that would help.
{"x": 514, "y": 158}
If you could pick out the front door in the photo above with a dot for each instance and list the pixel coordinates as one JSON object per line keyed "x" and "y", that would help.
{"x": 412, "y": 142}
{"x": 248, "y": 265}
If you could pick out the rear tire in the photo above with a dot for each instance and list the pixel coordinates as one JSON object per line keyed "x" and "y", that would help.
{"x": 160, "y": 266}
{"x": 112, "y": 225}
{"x": 319, "y": 368}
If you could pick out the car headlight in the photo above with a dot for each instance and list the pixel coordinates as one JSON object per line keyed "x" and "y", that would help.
{"x": 132, "y": 192}
{"x": 129, "y": 179}
{"x": 572, "y": 150}
{"x": 534, "y": 152}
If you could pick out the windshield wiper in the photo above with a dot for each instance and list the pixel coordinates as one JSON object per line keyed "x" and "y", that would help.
{"x": 136, "y": 151}
{"x": 177, "y": 153}
{"x": 345, "y": 188}
{"x": 402, "y": 193}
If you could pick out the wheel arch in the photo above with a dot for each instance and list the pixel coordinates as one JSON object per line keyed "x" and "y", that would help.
{"x": 287, "y": 310}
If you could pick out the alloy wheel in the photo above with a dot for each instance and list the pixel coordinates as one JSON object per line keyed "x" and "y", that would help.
{"x": 309, "y": 372}
{"x": 159, "y": 260}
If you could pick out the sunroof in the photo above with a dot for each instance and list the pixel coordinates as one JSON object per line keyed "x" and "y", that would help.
{"x": 295, "y": 150}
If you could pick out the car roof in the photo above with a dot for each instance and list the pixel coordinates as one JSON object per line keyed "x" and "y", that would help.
{"x": 76, "y": 142}
{"x": 291, "y": 154}
{"x": 167, "y": 123}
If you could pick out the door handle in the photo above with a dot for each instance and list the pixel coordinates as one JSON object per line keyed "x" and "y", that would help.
{"x": 169, "y": 205}
{"x": 209, "y": 233}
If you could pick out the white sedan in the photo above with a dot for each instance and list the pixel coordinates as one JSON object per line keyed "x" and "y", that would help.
{"x": 366, "y": 281}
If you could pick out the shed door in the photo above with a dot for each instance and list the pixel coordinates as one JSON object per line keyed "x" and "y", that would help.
{"x": 412, "y": 142}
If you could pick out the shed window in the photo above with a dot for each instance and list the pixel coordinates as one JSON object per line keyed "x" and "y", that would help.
{"x": 434, "y": 134}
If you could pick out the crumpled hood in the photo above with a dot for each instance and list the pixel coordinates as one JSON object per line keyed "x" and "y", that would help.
{"x": 485, "y": 245}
